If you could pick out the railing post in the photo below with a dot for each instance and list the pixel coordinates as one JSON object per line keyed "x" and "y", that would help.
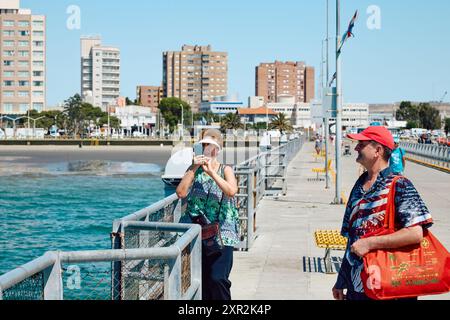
{"x": 250, "y": 210}
{"x": 196, "y": 264}
{"x": 172, "y": 288}
{"x": 53, "y": 286}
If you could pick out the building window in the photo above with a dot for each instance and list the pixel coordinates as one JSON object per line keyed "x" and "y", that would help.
{"x": 23, "y": 64}
{"x": 8, "y": 107}
{"x": 25, "y": 33}
{"x": 8, "y": 63}
{"x": 39, "y": 64}
{"x": 8, "y": 73}
{"x": 8, "y": 43}
{"x": 24, "y": 23}
{"x": 8, "y": 23}
{"x": 8, "y": 53}
{"x": 24, "y": 43}
{"x": 23, "y": 107}
{"x": 38, "y": 23}
{"x": 37, "y": 33}
{"x": 38, "y": 54}
{"x": 23, "y": 94}
{"x": 8, "y": 33}
{"x": 8, "y": 83}
{"x": 38, "y": 43}
{"x": 8, "y": 94}
{"x": 38, "y": 107}
{"x": 24, "y": 74}
{"x": 24, "y": 53}
{"x": 24, "y": 83}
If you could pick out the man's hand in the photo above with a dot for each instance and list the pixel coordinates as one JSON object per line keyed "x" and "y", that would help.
{"x": 361, "y": 247}
{"x": 338, "y": 294}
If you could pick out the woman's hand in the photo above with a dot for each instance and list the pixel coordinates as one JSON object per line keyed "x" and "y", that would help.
{"x": 208, "y": 167}
{"x": 199, "y": 161}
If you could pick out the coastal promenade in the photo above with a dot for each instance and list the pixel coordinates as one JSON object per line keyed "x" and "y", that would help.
{"x": 274, "y": 269}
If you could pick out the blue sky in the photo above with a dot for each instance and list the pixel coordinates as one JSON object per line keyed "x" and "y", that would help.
{"x": 407, "y": 59}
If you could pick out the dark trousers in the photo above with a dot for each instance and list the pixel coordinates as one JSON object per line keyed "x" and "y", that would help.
{"x": 357, "y": 296}
{"x": 215, "y": 273}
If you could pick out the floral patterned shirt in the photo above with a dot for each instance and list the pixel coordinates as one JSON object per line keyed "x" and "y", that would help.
{"x": 206, "y": 197}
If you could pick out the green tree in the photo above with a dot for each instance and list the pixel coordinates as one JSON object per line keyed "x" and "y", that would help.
{"x": 281, "y": 123}
{"x": 407, "y": 112}
{"x": 231, "y": 121}
{"x": 114, "y": 122}
{"x": 72, "y": 109}
{"x": 447, "y": 126}
{"x": 429, "y": 117}
{"x": 129, "y": 102}
{"x": 412, "y": 124}
{"x": 171, "y": 111}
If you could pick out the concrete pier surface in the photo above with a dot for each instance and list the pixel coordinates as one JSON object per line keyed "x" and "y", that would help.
{"x": 274, "y": 267}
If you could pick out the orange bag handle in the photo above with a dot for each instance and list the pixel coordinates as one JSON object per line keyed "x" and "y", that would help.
{"x": 389, "y": 220}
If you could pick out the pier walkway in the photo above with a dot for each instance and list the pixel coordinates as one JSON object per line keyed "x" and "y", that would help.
{"x": 273, "y": 268}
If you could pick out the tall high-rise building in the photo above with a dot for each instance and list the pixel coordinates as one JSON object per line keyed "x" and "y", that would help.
{"x": 100, "y": 72}
{"x": 23, "y": 62}
{"x": 195, "y": 74}
{"x": 285, "y": 78}
{"x": 149, "y": 96}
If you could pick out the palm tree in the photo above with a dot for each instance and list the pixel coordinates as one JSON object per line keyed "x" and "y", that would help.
{"x": 231, "y": 121}
{"x": 280, "y": 122}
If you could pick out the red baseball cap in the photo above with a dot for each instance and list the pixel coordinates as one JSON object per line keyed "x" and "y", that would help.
{"x": 379, "y": 134}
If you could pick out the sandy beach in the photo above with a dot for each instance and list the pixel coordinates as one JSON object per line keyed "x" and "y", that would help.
{"x": 140, "y": 154}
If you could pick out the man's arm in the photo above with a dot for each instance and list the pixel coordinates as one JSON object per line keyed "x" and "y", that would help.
{"x": 401, "y": 238}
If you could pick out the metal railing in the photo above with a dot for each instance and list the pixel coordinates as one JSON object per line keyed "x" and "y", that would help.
{"x": 169, "y": 269}
{"x": 152, "y": 256}
{"x": 434, "y": 154}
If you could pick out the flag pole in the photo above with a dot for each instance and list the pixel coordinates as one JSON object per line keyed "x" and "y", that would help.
{"x": 338, "y": 197}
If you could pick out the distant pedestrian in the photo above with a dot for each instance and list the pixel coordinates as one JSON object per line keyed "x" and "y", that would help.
{"x": 210, "y": 188}
{"x": 397, "y": 161}
{"x": 318, "y": 145}
{"x": 366, "y": 209}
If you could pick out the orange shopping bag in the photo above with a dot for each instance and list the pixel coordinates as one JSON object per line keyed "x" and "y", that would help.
{"x": 412, "y": 271}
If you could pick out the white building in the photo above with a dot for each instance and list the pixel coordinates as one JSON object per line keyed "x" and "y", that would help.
{"x": 135, "y": 116}
{"x": 256, "y": 102}
{"x": 298, "y": 113}
{"x": 355, "y": 115}
{"x": 100, "y": 72}
{"x": 222, "y": 105}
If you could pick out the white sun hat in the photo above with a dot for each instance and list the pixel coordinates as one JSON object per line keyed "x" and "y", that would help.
{"x": 210, "y": 140}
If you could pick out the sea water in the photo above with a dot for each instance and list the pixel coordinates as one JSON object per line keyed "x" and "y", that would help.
{"x": 69, "y": 206}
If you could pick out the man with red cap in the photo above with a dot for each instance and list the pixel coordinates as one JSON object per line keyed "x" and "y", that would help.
{"x": 366, "y": 210}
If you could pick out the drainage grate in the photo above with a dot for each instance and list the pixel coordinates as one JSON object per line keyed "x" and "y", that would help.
{"x": 317, "y": 265}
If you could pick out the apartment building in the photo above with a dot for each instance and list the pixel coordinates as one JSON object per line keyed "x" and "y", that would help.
{"x": 100, "y": 72}
{"x": 285, "y": 78}
{"x": 23, "y": 59}
{"x": 149, "y": 96}
{"x": 195, "y": 74}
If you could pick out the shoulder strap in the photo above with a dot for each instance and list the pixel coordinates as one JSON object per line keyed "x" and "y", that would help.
{"x": 389, "y": 220}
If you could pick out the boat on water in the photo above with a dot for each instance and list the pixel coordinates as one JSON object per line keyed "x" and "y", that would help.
{"x": 176, "y": 167}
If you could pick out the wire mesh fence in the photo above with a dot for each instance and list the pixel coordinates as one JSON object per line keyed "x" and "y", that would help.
{"x": 29, "y": 289}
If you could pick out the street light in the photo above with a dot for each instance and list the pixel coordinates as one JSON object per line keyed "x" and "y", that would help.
{"x": 182, "y": 119}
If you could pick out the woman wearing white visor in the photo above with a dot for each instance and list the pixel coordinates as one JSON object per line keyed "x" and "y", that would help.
{"x": 210, "y": 188}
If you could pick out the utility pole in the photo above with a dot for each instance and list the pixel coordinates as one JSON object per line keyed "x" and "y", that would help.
{"x": 338, "y": 197}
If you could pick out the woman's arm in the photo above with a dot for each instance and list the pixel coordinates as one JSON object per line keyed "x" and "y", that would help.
{"x": 186, "y": 183}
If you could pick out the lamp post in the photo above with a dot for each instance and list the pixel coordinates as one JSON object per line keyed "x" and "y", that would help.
{"x": 182, "y": 120}
{"x": 34, "y": 125}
